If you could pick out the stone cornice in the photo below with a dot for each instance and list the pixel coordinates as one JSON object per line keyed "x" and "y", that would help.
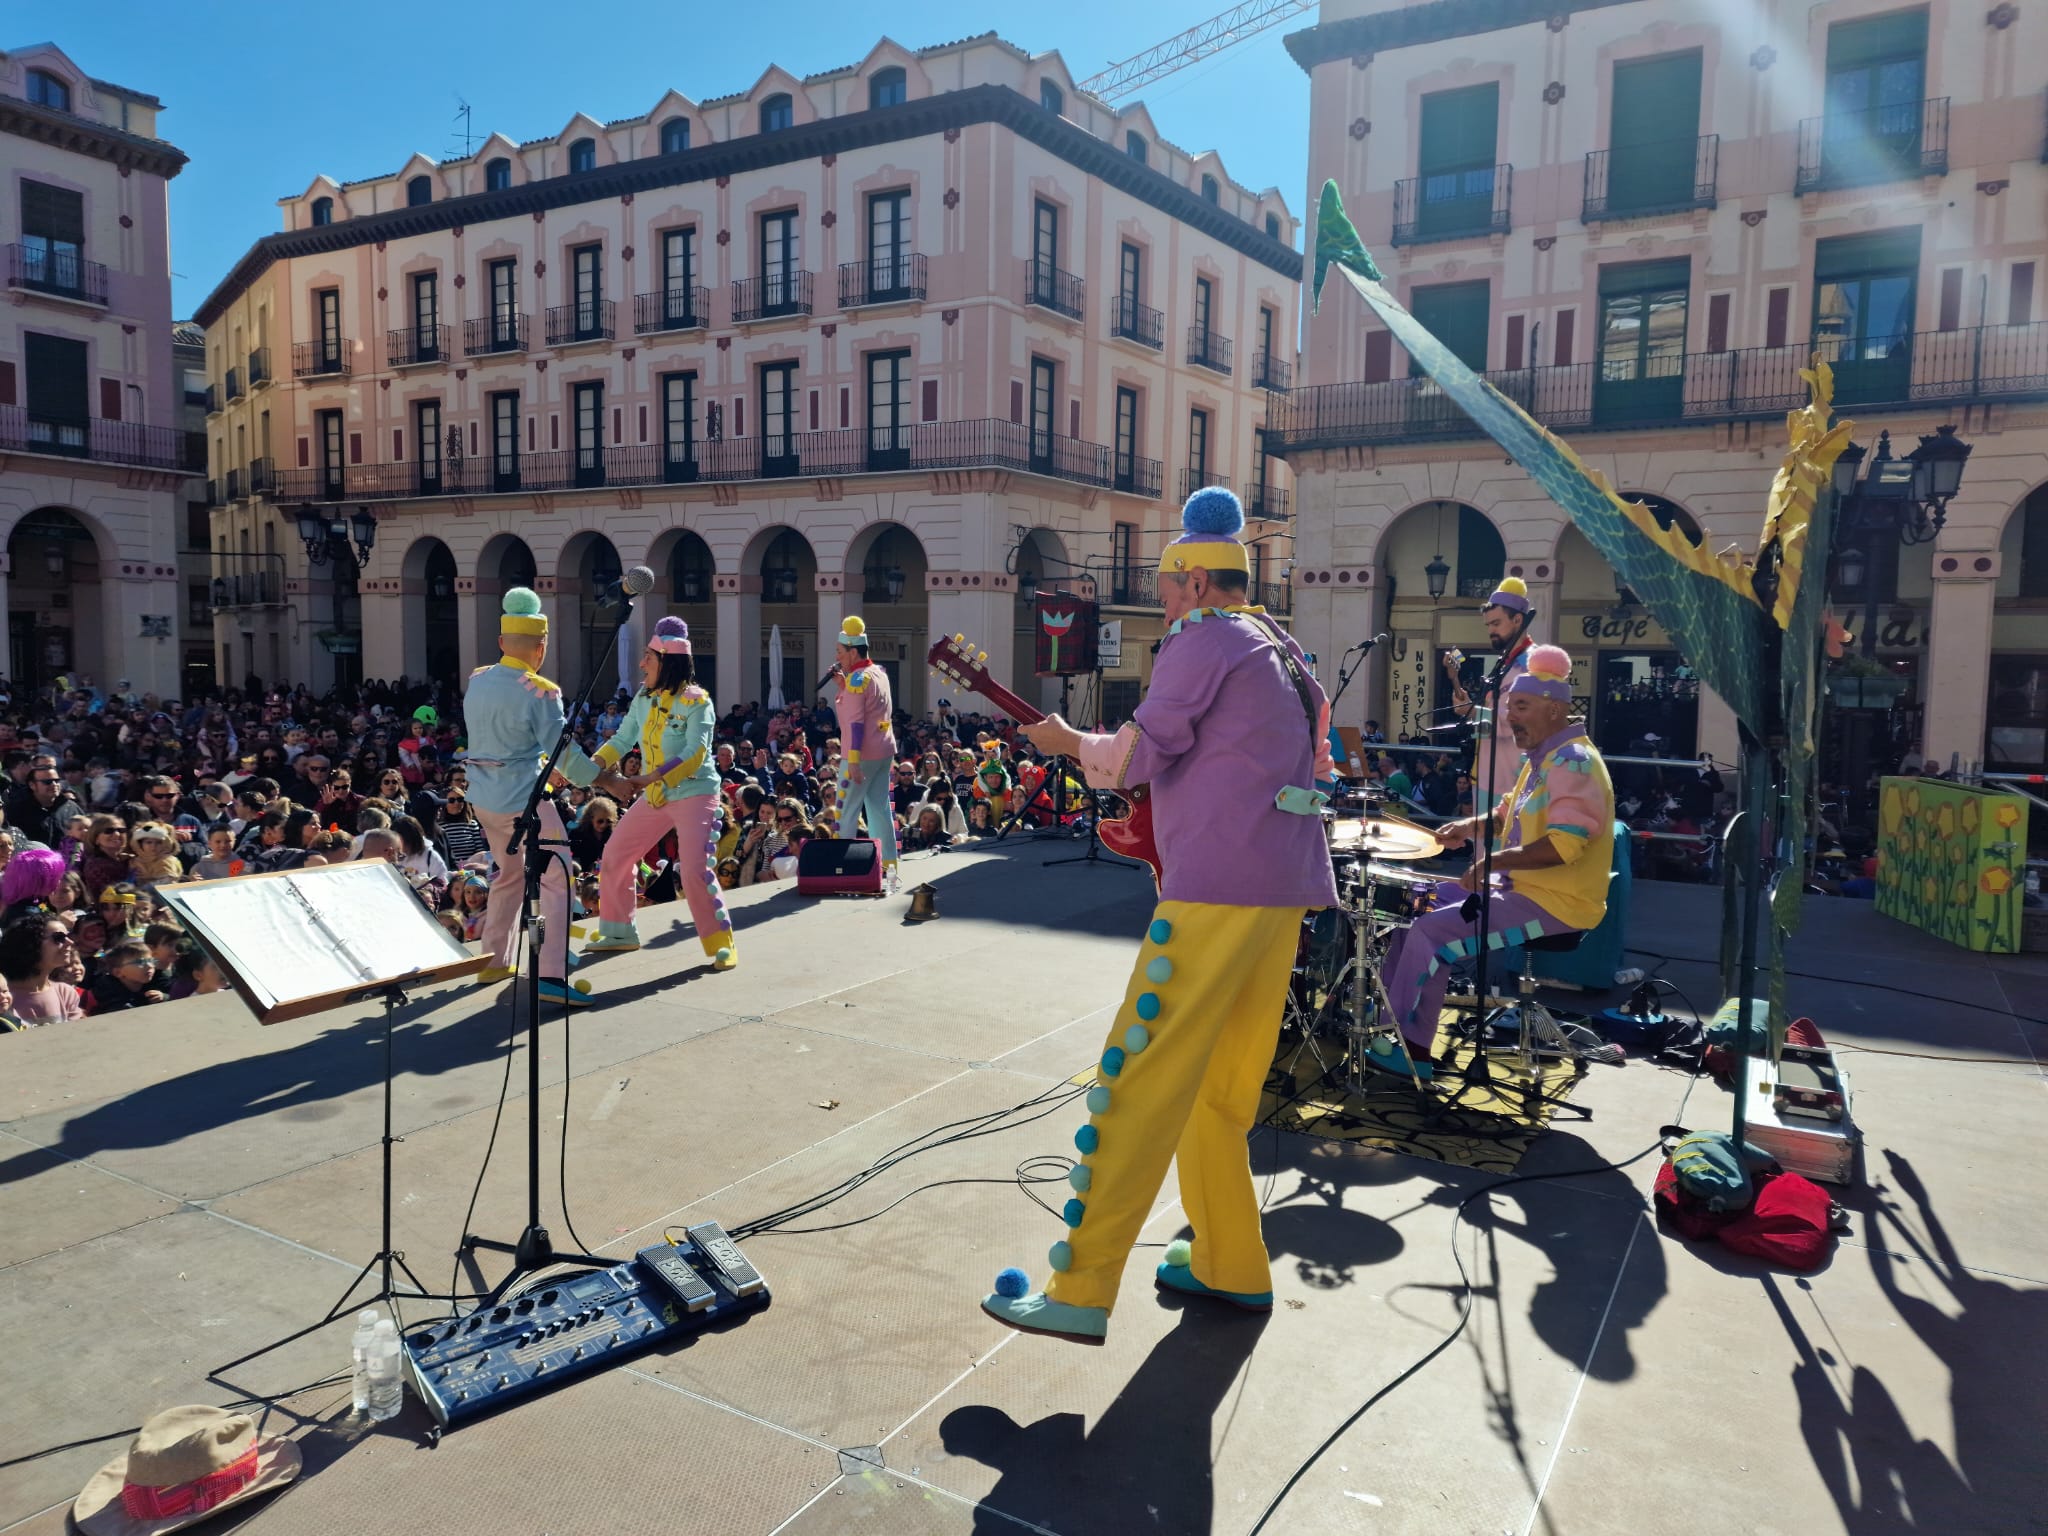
{"x": 1362, "y": 36}
{"x": 979, "y": 104}
{"x": 130, "y": 151}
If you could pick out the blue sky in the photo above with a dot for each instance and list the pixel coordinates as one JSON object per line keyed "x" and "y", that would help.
{"x": 265, "y": 96}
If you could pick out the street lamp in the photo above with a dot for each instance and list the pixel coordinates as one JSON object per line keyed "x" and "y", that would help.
{"x": 1904, "y": 499}
{"x": 1438, "y": 574}
{"x": 330, "y": 540}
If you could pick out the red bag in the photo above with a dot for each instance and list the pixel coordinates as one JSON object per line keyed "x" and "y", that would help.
{"x": 1786, "y": 1225}
{"x": 1683, "y": 1214}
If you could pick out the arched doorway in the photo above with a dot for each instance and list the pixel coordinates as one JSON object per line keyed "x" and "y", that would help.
{"x": 56, "y": 619}
{"x": 891, "y": 599}
{"x": 587, "y": 569}
{"x": 1042, "y": 566}
{"x": 1640, "y": 694}
{"x": 1436, "y": 564}
{"x": 432, "y": 649}
{"x": 786, "y": 567}
{"x": 2016, "y": 722}
{"x": 683, "y": 586}
{"x": 506, "y": 562}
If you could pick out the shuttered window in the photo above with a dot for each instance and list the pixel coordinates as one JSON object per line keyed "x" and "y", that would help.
{"x": 1456, "y": 314}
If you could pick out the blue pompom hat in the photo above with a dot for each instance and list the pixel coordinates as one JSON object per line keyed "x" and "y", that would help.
{"x": 1211, "y": 520}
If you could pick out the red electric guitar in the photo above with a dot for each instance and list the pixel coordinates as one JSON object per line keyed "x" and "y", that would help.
{"x": 1129, "y": 834}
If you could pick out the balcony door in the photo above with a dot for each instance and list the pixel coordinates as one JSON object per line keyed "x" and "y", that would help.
{"x": 52, "y": 238}
{"x": 888, "y": 244}
{"x": 504, "y": 278}
{"x": 1642, "y": 342}
{"x": 1864, "y": 288}
{"x": 587, "y": 268}
{"x": 679, "y": 277}
{"x": 327, "y": 330}
{"x": 587, "y": 409}
{"x": 1653, "y": 135}
{"x": 505, "y": 441}
{"x": 426, "y": 433}
{"x": 1455, "y": 163}
{"x": 333, "y": 463}
{"x": 426, "y": 316}
{"x": 1130, "y": 287}
{"x": 1045, "y": 250}
{"x": 888, "y": 444}
{"x": 778, "y": 420}
{"x": 778, "y": 262}
{"x": 58, "y": 396}
{"x": 679, "y": 426}
{"x": 1457, "y": 315}
{"x": 1044, "y": 401}
{"x": 1125, "y": 468}
{"x": 1876, "y": 81}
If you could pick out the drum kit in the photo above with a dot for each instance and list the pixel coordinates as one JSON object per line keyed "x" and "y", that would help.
{"x": 1338, "y": 996}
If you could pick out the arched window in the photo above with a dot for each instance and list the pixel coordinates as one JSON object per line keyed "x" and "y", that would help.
{"x": 888, "y": 88}
{"x": 497, "y": 174}
{"x": 1272, "y": 226}
{"x": 583, "y": 155}
{"x": 419, "y": 190}
{"x": 1052, "y": 98}
{"x": 675, "y": 135}
{"x": 1211, "y": 191}
{"x": 777, "y": 113}
{"x": 323, "y": 210}
{"x": 46, "y": 90}
{"x": 1134, "y": 146}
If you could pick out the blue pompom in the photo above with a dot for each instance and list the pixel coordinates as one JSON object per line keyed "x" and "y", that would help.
{"x": 1160, "y": 931}
{"x": 1213, "y": 510}
{"x": 1148, "y": 1005}
{"x": 1081, "y": 1176}
{"x": 1087, "y": 1139}
{"x": 1098, "y": 1100}
{"x": 1159, "y": 970}
{"x": 1112, "y": 1061}
{"x": 1060, "y": 1256}
{"x": 1013, "y": 1282}
{"x": 1136, "y": 1038}
{"x": 1073, "y": 1211}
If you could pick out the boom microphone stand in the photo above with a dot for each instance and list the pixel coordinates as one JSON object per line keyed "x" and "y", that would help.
{"x": 534, "y": 1250}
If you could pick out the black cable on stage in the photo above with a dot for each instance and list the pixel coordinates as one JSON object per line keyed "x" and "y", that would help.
{"x": 568, "y": 1077}
{"x": 497, "y": 1118}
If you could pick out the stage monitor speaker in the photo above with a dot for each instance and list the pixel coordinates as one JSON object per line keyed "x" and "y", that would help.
{"x": 1066, "y": 628}
{"x": 839, "y": 866}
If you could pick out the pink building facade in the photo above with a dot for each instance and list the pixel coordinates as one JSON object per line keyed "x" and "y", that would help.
{"x": 911, "y": 338}
{"x": 1642, "y": 220}
{"x": 93, "y": 458}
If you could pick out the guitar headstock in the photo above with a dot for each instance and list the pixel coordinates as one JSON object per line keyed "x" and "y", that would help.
{"x": 955, "y": 658}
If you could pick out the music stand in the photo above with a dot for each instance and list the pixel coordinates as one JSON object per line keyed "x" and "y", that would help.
{"x": 303, "y": 941}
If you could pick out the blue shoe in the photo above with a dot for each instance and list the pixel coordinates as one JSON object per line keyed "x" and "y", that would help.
{"x": 1179, "y": 1277}
{"x": 569, "y": 994}
{"x": 1039, "y": 1313}
{"x": 1389, "y": 1056}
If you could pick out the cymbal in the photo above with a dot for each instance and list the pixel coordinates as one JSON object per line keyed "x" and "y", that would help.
{"x": 1383, "y": 837}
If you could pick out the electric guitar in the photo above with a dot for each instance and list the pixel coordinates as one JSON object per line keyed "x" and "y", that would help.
{"x": 1128, "y": 834}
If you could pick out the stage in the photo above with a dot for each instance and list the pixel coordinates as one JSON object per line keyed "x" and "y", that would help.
{"x": 182, "y": 1185}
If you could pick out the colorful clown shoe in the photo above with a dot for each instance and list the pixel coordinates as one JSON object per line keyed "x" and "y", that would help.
{"x": 1176, "y": 1275}
{"x": 566, "y": 994}
{"x": 1387, "y": 1055}
{"x": 720, "y": 947}
{"x": 490, "y": 975}
{"x": 1039, "y": 1313}
{"x": 612, "y": 937}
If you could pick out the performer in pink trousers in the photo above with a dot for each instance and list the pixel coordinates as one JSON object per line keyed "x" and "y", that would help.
{"x": 670, "y": 724}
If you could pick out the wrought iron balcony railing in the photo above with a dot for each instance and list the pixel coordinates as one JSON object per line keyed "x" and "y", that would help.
{"x": 1961, "y": 367}
{"x": 494, "y": 333}
{"x": 262, "y": 477}
{"x": 672, "y": 309}
{"x": 1135, "y": 322}
{"x": 234, "y": 389}
{"x": 1857, "y": 149}
{"x": 1048, "y": 287}
{"x": 1208, "y": 350}
{"x": 328, "y": 355}
{"x": 1273, "y": 373}
{"x": 1454, "y": 205}
{"x": 771, "y": 298}
{"x": 65, "y": 274}
{"x": 1194, "y": 478}
{"x": 1633, "y": 181}
{"x": 247, "y": 580}
{"x": 96, "y": 440}
{"x": 259, "y": 367}
{"x": 585, "y": 320}
{"x": 892, "y": 280}
{"x": 1267, "y": 501}
{"x": 214, "y": 402}
{"x": 411, "y": 345}
{"x": 233, "y": 491}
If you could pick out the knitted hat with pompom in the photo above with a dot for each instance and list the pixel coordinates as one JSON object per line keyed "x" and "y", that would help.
{"x": 1211, "y": 522}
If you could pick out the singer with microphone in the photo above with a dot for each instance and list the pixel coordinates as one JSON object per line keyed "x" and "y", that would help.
{"x": 867, "y": 731}
{"x": 670, "y": 724}
{"x": 1507, "y": 615}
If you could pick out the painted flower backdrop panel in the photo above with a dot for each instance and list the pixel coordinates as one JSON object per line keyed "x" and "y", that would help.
{"x": 1950, "y": 860}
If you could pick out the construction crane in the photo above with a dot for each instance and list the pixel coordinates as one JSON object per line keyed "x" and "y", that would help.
{"x": 1212, "y": 36}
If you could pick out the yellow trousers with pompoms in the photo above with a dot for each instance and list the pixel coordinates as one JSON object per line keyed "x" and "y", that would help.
{"x": 1180, "y": 1078}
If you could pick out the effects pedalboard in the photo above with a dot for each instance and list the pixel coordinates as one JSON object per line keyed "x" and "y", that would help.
{"x": 572, "y": 1325}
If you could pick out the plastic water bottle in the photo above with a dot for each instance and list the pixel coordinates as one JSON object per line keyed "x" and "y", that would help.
{"x": 1629, "y": 977}
{"x": 386, "y": 1372}
{"x": 359, "y": 1354}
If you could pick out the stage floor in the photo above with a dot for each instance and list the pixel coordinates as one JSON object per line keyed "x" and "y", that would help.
{"x": 182, "y": 1185}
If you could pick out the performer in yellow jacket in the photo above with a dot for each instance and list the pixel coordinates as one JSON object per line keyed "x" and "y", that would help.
{"x": 670, "y": 722}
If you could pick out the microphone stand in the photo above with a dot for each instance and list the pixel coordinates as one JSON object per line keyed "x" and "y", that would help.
{"x": 534, "y": 1250}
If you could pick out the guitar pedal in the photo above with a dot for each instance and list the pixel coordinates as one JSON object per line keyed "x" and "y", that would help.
{"x": 724, "y": 1256}
{"x": 673, "y": 1270}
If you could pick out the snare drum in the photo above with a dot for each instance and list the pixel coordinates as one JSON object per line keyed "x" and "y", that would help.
{"x": 1397, "y": 897}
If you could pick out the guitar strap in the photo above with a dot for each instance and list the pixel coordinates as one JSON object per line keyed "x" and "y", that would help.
{"x": 1293, "y": 798}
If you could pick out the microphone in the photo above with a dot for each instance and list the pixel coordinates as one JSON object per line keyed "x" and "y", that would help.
{"x": 1379, "y": 639}
{"x": 835, "y": 672}
{"x": 631, "y": 583}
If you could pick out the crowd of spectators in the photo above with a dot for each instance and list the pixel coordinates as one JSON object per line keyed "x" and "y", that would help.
{"x": 111, "y": 795}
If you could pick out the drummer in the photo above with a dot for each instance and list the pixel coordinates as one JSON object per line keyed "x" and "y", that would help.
{"x": 1507, "y": 615}
{"x": 1553, "y": 838}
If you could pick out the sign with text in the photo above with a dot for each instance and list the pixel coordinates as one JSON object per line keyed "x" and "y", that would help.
{"x": 1109, "y": 644}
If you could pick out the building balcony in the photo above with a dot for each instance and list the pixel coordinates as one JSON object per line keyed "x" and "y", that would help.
{"x": 1266, "y": 501}
{"x": 96, "y": 440}
{"x": 1860, "y": 149}
{"x": 1981, "y": 365}
{"x": 1634, "y": 181}
{"x": 1132, "y": 321}
{"x": 1195, "y": 477}
{"x": 1273, "y": 373}
{"x": 1047, "y": 287}
{"x": 259, "y": 368}
{"x": 415, "y": 345}
{"x": 892, "y": 280}
{"x": 247, "y": 581}
{"x": 212, "y": 397}
{"x": 262, "y": 477}
{"x": 585, "y": 320}
{"x": 914, "y": 448}
{"x": 234, "y": 385}
{"x": 494, "y": 333}
{"x": 771, "y": 298}
{"x": 232, "y": 491}
{"x": 1454, "y": 205}
{"x": 1131, "y": 586}
{"x": 672, "y": 309}
{"x": 331, "y": 356}
{"x": 216, "y": 493}
{"x": 1208, "y": 350}
{"x": 57, "y": 272}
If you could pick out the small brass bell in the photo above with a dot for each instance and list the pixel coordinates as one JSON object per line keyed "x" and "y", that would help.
{"x": 923, "y": 903}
